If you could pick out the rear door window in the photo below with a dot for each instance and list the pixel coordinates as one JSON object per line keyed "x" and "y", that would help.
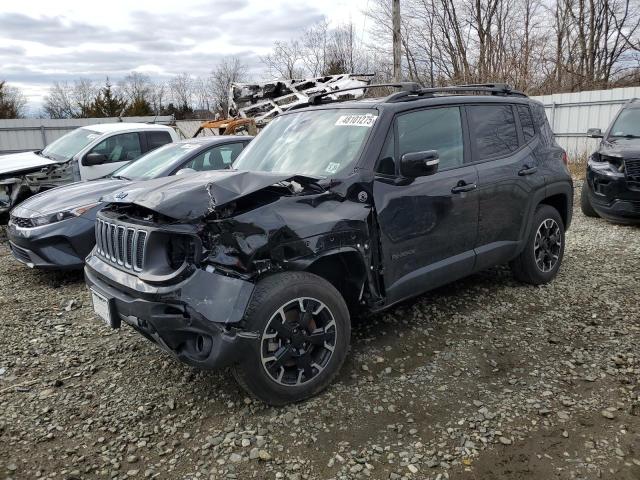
{"x": 493, "y": 130}
{"x": 157, "y": 139}
{"x": 526, "y": 122}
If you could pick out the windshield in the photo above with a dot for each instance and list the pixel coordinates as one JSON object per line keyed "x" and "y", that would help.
{"x": 319, "y": 143}
{"x": 627, "y": 124}
{"x": 68, "y": 145}
{"x": 155, "y": 162}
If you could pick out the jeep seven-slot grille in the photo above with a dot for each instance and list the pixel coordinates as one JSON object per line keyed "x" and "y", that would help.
{"x": 120, "y": 244}
{"x": 632, "y": 169}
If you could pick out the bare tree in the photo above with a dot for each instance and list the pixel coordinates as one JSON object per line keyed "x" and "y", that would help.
{"x": 59, "y": 102}
{"x": 136, "y": 87}
{"x": 158, "y": 96}
{"x": 12, "y": 101}
{"x": 66, "y": 100}
{"x": 285, "y": 60}
{"x": 230, "y": 70}
{"x": 315, "y": 43}
{"x": 181, "y": 88}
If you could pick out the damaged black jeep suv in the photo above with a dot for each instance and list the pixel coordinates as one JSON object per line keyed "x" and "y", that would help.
{"x": 612, "y": 183}
{"x": 336, "y": 207}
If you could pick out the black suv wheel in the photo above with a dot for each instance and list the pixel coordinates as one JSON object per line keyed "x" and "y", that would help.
{"x": 540, "y": 260}
{"x": 304, "y": 329}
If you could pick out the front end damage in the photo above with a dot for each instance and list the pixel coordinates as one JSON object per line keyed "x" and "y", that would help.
{"x": 17, "y": 186}
{"x": 185, "y": 284}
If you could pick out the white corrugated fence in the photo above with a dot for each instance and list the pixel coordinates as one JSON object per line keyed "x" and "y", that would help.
{"x": 571, "y": 114}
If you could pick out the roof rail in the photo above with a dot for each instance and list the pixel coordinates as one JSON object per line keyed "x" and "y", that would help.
{"x": 493, "y": 88}
{"x": 413, "y": 91}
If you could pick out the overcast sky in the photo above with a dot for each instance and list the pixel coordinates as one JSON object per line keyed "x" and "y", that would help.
{"x": 42, "y": 41}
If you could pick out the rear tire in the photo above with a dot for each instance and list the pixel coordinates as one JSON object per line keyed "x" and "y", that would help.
{"x": 585, "y": 203}
{"x": 541, "y": 258}
{"x": 304, "y": 333}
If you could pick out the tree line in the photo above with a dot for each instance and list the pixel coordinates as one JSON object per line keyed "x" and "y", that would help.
{"x": 538, "y": 46}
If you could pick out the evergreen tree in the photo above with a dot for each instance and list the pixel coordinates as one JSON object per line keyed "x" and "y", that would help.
{"x": 107, "y": 103}
{"x": 139, "y": 107}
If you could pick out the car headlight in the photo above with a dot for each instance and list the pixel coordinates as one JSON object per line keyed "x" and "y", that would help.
{"x": 62, "y": 215}
{"x": 607, "y": 164}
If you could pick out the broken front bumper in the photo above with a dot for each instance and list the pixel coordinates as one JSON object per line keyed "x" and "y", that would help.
{"x": 195, "y": 320}
{"x": 613, "y": 196}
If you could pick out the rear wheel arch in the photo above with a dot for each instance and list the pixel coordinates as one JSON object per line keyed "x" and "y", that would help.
{"x": 561, "y": 203}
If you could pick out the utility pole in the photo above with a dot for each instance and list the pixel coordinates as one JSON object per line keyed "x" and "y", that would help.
{"x": 397, "y": 52}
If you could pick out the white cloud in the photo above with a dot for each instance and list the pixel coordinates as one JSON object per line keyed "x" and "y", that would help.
{"x": 43, "y": 41}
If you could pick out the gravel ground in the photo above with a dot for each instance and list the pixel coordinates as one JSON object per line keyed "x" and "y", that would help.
{"x": 483, "y": 379}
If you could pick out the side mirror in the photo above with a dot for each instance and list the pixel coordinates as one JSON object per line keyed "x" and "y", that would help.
{"x": 182, "y": 171}
{"x": 594, "y": 133}
{"x": 91, "y": 159}
{"x": 419, "y": 164}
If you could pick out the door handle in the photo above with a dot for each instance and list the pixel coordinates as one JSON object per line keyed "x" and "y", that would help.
{"x": 463, "y": 187}
{"x": 527, "y": 170}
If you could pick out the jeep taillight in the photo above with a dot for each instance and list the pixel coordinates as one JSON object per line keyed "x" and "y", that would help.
{"x": 565, "y": 158}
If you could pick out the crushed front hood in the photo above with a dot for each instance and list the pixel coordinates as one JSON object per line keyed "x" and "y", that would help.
{"x": 625, "y": 148}
{"x": 22, "y": 162}
{"x": 191, "y": 196}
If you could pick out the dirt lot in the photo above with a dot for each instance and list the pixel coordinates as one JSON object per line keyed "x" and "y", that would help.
{"x": 482, "y": 379}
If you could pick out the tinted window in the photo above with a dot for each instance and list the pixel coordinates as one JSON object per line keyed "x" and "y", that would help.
{"x": 627, "y": 124}
{"x": 493, "y": 129}
{"x": 540, "y": 118}
{"x": 433, "y": 129}
{"x": 217, "y": 158}
{"x": 526, "y": 121}
{"x": 387, "y": 162}
{"x": 157, "y": 139}
{"x": 120, "y": 148}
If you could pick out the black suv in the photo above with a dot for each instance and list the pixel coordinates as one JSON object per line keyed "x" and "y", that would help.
{"x": 334, "y": 208}
{"x": 612, "y": 185}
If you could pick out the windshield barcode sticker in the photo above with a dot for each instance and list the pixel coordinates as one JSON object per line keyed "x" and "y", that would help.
{"x": 356, "y": 120}
{"x": 333, "y": 167}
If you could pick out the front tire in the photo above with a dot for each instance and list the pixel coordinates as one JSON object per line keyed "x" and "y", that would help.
{"x": 304, "y": 333}
{"x": 585, "y": 203}
{"x": 541, "y": 258}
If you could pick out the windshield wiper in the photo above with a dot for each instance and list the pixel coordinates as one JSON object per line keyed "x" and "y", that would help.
{"x": 120, "y": 177}
{"x": 627, "y": 135}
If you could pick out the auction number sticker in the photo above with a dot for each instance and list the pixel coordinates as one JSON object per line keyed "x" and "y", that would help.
{"x": 357, "y": 120}
{"x": 333, "y": 167}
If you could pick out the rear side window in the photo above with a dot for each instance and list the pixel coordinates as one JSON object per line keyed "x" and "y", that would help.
{"x": 216, "y": 158}
{"x": 526, "y": 121}
{"x": 157, "y": 139}
{"x": 540, "y": 119}
{"x": 493, "y": 130}
{"x": 433, "y": 129}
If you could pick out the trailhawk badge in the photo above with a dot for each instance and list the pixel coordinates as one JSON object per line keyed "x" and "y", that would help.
{"x": 120, "y": 195}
